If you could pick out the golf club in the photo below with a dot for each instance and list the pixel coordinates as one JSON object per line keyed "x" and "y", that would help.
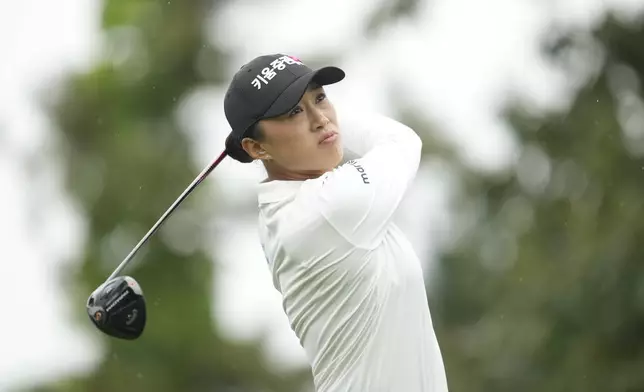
{"x": 117, "y": 307}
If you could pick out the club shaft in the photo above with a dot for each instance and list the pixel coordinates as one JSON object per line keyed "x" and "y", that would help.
{"x": 206, "y": 171}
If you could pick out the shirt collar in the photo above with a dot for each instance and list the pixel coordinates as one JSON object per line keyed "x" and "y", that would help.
{"x": 273, "y": 191}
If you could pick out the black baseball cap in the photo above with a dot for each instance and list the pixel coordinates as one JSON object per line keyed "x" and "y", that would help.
{"x": 269, "y": 86}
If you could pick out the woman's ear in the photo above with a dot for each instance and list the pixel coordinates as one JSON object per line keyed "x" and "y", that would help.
{"x": 255, "y": 149}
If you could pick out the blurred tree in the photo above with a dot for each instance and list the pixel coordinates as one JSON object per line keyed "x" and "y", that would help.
{"x": 127, "y": 160}
{"x": 545, "y": 291}
{"x": 389, "y": 12}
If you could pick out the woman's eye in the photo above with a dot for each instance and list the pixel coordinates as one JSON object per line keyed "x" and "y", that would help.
{"x": 321, "y": 97}
{"x": 295, "y": 111}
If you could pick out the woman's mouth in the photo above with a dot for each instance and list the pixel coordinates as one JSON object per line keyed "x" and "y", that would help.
{"x": 329, "y": 138}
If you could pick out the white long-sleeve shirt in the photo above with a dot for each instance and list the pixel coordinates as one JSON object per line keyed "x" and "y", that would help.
{"x": 351, "y": 283}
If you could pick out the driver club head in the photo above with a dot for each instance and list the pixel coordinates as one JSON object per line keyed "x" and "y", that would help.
{"x": 117, "y": 308}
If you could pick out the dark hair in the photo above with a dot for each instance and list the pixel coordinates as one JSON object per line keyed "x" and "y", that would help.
{"x": 234, "y": 146}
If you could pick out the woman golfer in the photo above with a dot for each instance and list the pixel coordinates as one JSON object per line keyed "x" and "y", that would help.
{"x": 352, "y": 285}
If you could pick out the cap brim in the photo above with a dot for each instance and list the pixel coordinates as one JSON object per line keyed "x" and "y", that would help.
{"x": 294, "y": 93}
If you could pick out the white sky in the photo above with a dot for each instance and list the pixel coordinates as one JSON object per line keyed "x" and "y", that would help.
{"x": 456, "y": 62}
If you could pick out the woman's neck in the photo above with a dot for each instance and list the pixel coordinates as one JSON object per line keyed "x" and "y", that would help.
{"x": 279, "y": 174}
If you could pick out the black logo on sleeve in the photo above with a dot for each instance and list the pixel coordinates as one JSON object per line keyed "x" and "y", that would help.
{"x": 360, "y": 169}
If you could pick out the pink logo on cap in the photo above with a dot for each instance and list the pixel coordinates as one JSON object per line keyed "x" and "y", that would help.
{"x": 295, "y": 58}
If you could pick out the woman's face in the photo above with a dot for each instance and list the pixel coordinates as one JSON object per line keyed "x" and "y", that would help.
{"x": 302, "y": 142}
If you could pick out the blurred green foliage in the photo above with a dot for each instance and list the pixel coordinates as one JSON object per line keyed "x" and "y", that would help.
{"x": 127, "y": 160}
{"x": 543, "y": 292}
